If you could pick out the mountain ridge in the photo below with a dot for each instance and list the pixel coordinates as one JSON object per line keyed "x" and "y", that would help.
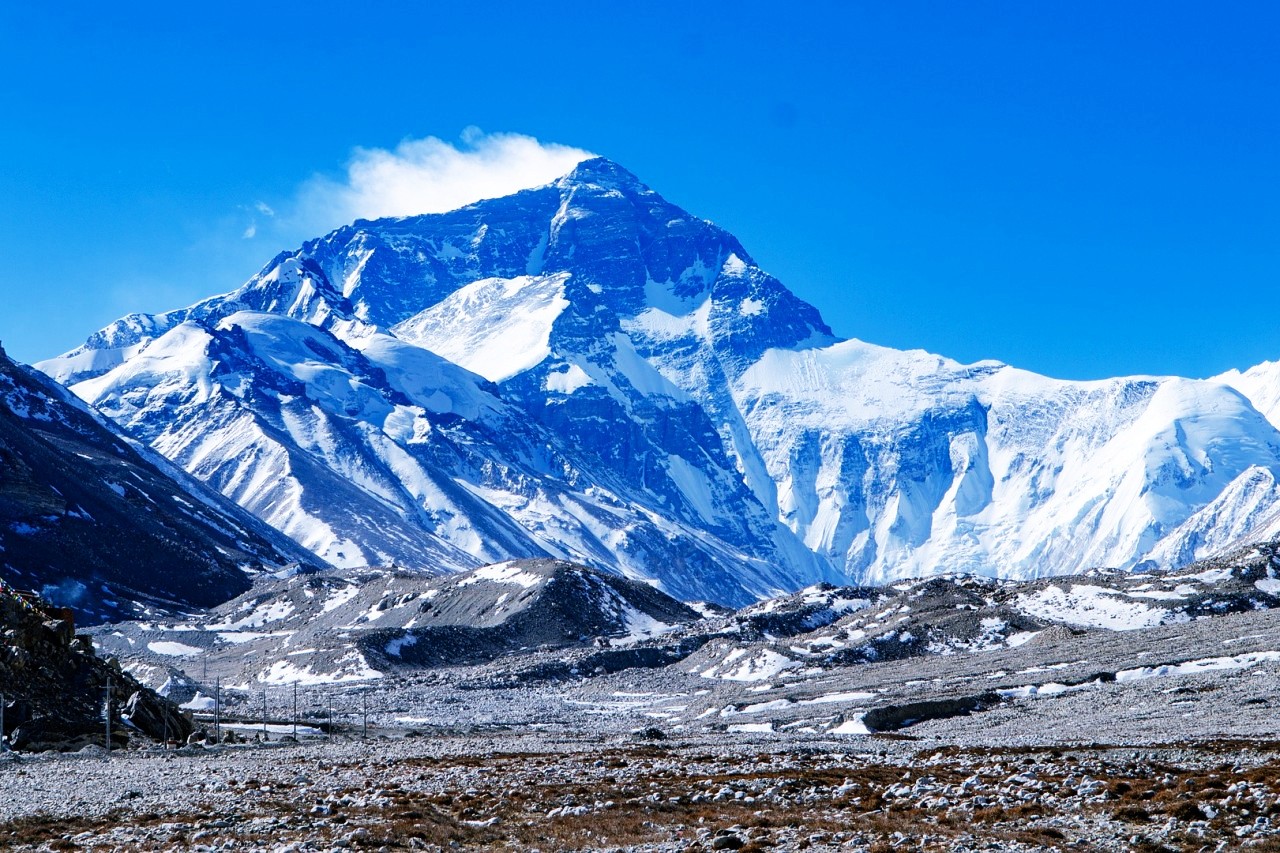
{"x": 106, "y": 528}
{"x": 656, "y": 404}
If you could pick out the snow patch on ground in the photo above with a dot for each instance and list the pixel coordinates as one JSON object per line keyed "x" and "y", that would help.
{"x": 851, "y": 727}
{"x": 175, "y": 649}
{"x": 761, "y": 666}
{"x": 1088, "y": 606}
{"x": 352, "y": 667}
{"x": 507, "y": 572}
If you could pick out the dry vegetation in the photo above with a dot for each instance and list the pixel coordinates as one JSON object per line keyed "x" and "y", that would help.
{"x": 1187, "y": 797}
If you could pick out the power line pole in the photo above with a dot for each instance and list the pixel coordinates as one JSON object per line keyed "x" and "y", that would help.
{"x": 364, "y": 725}
{"x": 107, "y": 709}
{"x": 217, "y": 711}
{"x": 4, "y": 747}
{"x": 295, "y": 712}
{"x": 264, "y": 715}
{"x": 330, "y": 700}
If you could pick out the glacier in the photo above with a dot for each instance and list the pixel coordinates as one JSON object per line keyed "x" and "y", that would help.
{"x": 585, "y": 371}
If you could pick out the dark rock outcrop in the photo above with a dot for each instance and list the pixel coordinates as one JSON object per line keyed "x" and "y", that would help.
{"x": 54, "y": 687}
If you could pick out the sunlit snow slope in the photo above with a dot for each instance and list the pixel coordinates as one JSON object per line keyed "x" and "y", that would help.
{"x": 586, "y": 371}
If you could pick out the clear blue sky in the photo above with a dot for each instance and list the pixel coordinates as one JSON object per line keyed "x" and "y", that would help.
{"x": 1081, "y": 189}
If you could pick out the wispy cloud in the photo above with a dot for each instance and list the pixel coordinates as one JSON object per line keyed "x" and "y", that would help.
{"x": 431, "y": 176}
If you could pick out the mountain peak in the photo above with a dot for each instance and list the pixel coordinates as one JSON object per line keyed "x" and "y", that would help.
{"x": 603, "y": 172}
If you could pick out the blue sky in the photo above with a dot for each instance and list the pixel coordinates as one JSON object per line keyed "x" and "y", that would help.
{"x": 1081, "y": 189}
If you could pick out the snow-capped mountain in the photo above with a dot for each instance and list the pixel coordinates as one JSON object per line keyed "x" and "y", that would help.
{"x": 586, "y": 371}
{"x": 106, "y": 529}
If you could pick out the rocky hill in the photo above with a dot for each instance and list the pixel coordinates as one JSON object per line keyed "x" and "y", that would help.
{"x": 355, "y": 626}
{"x": 55, "y": 688}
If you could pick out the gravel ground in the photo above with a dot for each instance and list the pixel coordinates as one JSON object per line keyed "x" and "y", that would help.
{"x": 499, "y": 790}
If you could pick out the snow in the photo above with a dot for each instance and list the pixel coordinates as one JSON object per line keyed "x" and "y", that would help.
{"x": 1052, "y": 688}
{"x": 734, "y": 265}
{"x": 640, "y": 626}
{"x": 496, "y": 327}
{"x": 760, "y": 707}
{"x": 399, "y": 644}
{"x": 1021, "y": 637}
{"x": 1271, "y": 586}
{"x": 339, "y": 598}
{"x": 199, "y": 702}
{"x": 703, "y": 609}
{"x": 868, "y": 463}
{"x": 162, "y": 647}
{"x": 573, "y": 378}
{"x": 848, "y": 696}
{"x": 751, "y": 728}
{"x": 351, "y": 668}
{"x": 1089, "y": 606}
{"x": 268, "y": 611}
{"x": 1195, "y": 667}
{"x": 238, "y": 637}
{"x": 761, "y": 666}
{"x": 507, "y": 572}
{"x": 851, "y": 727}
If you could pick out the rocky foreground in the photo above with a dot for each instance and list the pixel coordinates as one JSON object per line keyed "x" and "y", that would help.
{"x": 529, "y": 792}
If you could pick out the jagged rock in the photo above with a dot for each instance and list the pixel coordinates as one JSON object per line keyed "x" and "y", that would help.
{"x": 157, "y": 717}
{"x": 56, "y": 686}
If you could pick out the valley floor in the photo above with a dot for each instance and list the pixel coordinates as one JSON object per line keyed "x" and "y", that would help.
{"x": 537, "y": 792}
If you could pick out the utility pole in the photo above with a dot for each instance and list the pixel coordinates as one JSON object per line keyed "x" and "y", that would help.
{"x": 217, "y": 711}
{"x": 4, "y": 747}
{"x": 330, "y": 700}
{"x": 264, "y": 715}
{"x": 295, "y": 711}
{"x": 364, "y": 725}
{"x": 107, "y": 715}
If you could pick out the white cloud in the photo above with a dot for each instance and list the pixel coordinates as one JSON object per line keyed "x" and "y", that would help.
{"x": 264, "y": 208}
{"x": 250, "y": 231}
{"x": 432, "y": 176}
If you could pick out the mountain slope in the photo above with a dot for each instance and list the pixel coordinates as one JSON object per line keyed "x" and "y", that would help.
{"x": 585, "y": 371}
{"x": 354, "y": 625}
{"x": 100, "y": 527}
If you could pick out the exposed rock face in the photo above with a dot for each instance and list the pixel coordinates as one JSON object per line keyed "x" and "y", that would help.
{"x": 55, "y": 687}
{"x": 105, "y": 529}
